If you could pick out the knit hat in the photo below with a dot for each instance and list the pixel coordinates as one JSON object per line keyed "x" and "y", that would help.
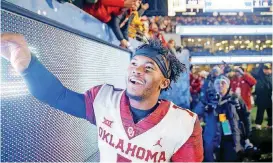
{"x": 222, "y": 78}
{"x": 240, "y": 70}
{"x": 267, "y": 66}
{"x": 216, "y": 69}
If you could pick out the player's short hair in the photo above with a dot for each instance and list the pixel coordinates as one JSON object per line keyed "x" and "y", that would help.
{"x": 174, "y": 66}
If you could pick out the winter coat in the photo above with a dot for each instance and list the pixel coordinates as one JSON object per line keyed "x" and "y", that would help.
{"x": 263, "y": 88}
{"x": 195, "y": 85}
{"x": 104, "y": 9}
{"x": 244, "y": 84}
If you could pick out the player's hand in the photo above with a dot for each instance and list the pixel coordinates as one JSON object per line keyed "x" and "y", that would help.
{"x": 145, "y": 6}
{"x": 130, "y": 3}
{"x": 124, "y": 43}
{"x": 14, "y": 48}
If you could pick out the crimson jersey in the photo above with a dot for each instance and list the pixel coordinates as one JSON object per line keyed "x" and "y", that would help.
{"x": 167, "y": 134}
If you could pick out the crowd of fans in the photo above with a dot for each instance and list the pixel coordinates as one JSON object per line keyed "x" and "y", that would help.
{"x": 225, "y": 20}
{"x": 126, "y": 20}
{"x": 225, "y": 93}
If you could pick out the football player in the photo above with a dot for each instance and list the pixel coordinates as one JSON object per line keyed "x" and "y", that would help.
{"x": 133, "y": 124}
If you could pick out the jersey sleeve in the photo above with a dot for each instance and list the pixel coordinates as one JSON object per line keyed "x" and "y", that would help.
{"x": 89, "y": 97}
{"x": 192, "y": 149}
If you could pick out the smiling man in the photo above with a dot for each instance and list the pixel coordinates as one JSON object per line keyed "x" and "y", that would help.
{"x": 133, "y": 124}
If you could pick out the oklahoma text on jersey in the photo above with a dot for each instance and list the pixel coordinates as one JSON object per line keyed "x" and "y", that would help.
{"x": 136, "y": 151}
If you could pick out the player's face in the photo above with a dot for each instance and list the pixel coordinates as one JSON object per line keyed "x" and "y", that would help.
{"x": 145, "y": 79}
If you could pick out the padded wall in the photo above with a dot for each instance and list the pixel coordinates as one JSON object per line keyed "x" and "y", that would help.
{"x": 33, "y": 131}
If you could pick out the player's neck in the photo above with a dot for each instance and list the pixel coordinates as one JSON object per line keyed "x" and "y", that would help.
{"x": 145, "y": 104}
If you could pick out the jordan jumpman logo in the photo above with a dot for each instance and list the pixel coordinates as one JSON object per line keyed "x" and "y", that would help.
{"x": 158, "y": 143}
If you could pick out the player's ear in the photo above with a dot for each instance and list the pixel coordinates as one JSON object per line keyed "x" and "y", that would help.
{"x": 165, "y": 83}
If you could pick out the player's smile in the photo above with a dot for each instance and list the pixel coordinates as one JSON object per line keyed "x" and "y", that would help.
{"x": 136, "y": 80}
{"x": 136, "y": 83}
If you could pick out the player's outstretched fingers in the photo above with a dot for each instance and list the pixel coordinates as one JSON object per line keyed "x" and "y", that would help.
{"x": 15, "y": 49}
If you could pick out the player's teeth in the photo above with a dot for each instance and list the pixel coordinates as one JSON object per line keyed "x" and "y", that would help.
{"x": 139, "y": 82}
{"x": 136, "y": 81}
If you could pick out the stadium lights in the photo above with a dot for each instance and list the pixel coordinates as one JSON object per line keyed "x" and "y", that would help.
{"x": 266, "y": 13}
{"x": 258, "y": 41}
{"x": 264, "y": 46}
{"x": 268, "y": 41}
{"x": 228, "y": 13}
{"x": 230, "y": 59}
{"x": 257, "y": 46}
{"x": 242, "y": 46}
{"x": 247, "y": 42}
{"x": 224, "y": 30}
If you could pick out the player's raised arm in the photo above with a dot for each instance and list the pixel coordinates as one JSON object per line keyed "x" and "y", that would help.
{"x": 41, "y": 83}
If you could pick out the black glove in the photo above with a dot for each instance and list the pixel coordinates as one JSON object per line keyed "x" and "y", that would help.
{"x": 234, "y": 100}
{"x": 210, "y": 107}
{"x": 178, "y": 49}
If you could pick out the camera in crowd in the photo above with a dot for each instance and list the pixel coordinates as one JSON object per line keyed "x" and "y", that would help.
{"x": 212, "y": 100}
{"x": 235, "y": 101}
